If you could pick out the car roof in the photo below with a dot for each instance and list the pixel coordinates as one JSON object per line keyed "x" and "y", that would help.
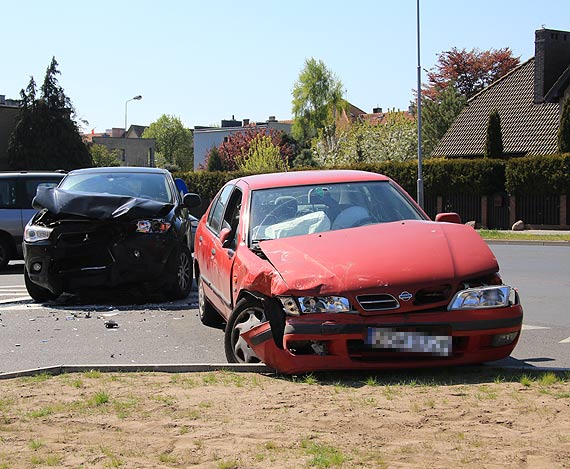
{"x": 301, "y": 178}
{"x": 120, "y": 169}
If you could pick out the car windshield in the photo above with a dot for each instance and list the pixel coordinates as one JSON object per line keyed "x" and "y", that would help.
{"x": 153, "y": 186}
{"x": 282, "y": 212}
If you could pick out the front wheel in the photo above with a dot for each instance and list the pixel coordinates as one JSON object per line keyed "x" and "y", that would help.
{"x": 182, "y": 275}
{"x": 38, "y": 294}
{"x": 247, "y": 314}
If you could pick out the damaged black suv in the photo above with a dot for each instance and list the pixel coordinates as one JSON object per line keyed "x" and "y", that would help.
{"x": 111, "y": 228}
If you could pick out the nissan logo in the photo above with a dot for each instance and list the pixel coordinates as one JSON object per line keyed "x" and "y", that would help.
{"x": 405, "y": 296}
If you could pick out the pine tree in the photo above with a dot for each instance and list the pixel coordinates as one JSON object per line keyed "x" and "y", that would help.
{"x": 564, "y": 129}
{"x": 46, "y": 136}
{"x": 494, "y": 141}
{"x": 215, "y": 161}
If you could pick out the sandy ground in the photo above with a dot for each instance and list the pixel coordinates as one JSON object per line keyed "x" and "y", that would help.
{"x": 470, "y": 417}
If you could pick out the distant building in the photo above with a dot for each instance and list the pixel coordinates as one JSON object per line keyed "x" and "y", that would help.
{"x": 9, "y": 109}
{"x": 205, "y": 138}
{"x": 134, "y": 150}
{"x": 529, "y": 100}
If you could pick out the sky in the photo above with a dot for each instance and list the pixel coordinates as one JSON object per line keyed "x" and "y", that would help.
{"x": 204, "y": 61}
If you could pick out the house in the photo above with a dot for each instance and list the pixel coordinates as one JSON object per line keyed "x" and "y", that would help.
{"x": 528, "y": 99}
{"x": 134, "y": 150}
{"x": 9, "y": 109}
{"x": 205, "y": 138}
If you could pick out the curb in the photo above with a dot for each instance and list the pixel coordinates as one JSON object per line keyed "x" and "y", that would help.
{"x": 524, "y": 242}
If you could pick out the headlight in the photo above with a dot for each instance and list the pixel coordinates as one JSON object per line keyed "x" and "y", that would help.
{"x": 315, "y": 304}
{"x": 35, "y": 233}
{"x": 483, "y": 297}
{"x": 152, "y": 226}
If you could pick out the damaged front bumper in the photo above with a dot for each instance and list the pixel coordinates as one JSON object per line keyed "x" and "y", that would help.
{"x": 345, "y": 342}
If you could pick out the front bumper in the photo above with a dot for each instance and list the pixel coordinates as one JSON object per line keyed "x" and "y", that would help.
{"x": 71, "y": 267}
{"x": 338, "y": 341}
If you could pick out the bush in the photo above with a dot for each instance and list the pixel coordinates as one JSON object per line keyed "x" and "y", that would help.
{"x": 538, "y": 175}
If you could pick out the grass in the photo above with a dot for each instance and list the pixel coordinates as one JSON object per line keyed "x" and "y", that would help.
{"x": 322, "y": 455}
{"x": 518, "y": 236}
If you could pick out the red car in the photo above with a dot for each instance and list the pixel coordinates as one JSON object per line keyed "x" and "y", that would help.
{"x": 336, "y": 270}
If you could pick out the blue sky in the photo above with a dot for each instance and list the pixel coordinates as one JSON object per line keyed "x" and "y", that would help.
{"x": 206, "y": 61}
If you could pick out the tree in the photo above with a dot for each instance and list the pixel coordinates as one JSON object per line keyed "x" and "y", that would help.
{"x": 174, "y": 142}
{"x": 214, "y": 160}
{"x": 468, "y": 71}
{"x": 46, "y": 135}
{"x": 494, "y": 140}
{"x": 263, "y": 156}
{"x": 317, "y": 98}
{"x": 103, "y": 156}
{"x": 438, "y": 114}
{"x": 564, "y": 129}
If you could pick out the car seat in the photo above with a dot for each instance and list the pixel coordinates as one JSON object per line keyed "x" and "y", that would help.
{"x": 351, "y": 217}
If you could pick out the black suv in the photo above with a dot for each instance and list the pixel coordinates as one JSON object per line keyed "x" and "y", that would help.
{"x": 105, "y": 228}
{"x": 17, "y": 189}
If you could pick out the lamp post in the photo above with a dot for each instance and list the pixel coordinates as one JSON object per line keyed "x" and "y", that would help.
{"x": 134, "y": 98}
{"x": 419, "y": 110}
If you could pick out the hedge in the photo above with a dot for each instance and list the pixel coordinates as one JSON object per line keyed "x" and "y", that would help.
{"x": 532, "y": 175}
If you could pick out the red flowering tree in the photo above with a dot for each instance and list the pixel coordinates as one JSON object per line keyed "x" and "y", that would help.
{"x": 238, "y": 144}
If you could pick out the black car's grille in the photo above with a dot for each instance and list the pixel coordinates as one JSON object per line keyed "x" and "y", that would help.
{"x": 431, "y": 295}
{"x": 379, "y": 302}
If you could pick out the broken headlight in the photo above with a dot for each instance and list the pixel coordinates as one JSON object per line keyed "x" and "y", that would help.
{"x": 315, "y": 304}
{"x": 35, "y": 233}
{"x": 152, "y": 226}
{"x": 484, "y": 297}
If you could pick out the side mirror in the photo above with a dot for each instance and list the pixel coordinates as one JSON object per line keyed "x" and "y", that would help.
{"x": 448, "y": 218}
{"x": 225, "y": 237}
{"x": 192, "y": 200}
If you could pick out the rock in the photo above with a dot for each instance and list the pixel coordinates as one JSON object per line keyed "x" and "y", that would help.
{"x": 472, "y": 224}
{"x": 518, "y": 226}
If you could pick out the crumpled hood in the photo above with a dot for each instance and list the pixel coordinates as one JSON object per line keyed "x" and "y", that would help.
{"x": 398, "y": 254}
{"x": 97, "y": 206}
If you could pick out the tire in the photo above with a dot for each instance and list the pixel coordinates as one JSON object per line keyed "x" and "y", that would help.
{"x": 4, "y": 253}
{"x": 182, "y": 274}
{"x": 38, "y": 294}
{"x": 208, "y": 315}
{"x": 246, "y": 315}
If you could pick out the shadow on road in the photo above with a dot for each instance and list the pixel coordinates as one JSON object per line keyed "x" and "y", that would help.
{"x": 13, "y": 268}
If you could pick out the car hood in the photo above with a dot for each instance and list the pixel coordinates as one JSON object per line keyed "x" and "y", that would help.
{"x": 97, "y": 206}
{"x": 398, "y": 254}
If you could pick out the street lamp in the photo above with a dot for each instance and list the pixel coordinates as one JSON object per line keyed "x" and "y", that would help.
{"x": 134, "y": 98}
{"x": 419, "y": 111}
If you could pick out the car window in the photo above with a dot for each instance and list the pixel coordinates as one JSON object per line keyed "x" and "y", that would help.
{"x": 217, "y": 211}
{"x": 153, "y": 186}
{"x": 8, "y": 197}
{"x": 299, "y": 210}
{"x": 232, "y": 216}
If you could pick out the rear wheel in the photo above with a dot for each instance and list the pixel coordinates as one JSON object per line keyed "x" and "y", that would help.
{"x": 246, "y": 316}
{"x": 4, "y": 253}
{"x": 38, "y": 294}
{"x": 208, "y": 315}
{"x": 182, "y": 275}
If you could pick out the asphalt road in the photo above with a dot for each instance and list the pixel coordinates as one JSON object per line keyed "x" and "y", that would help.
{"x": 73, "y": 330}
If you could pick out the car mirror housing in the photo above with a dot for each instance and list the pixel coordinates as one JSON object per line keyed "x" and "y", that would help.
{"x": 448, "y": 218}
{"x": 225, "y": 236}
{"x": 191, "y": 200}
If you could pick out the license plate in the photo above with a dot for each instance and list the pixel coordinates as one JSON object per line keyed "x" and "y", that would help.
{"x": 409, "y": 341}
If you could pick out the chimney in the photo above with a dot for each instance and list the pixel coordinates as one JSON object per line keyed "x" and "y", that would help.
{"x": 245, "y": 122}
{"x": 271, "y": 119}
{"x": 377, "y": 110}
{"x": 551, "y": 58}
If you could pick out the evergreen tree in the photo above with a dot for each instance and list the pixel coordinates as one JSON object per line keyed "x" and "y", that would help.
{"x": 564, "y": 129}
{"x": 46, "y": 135}
{"x": 215, "y": 162}
{"x": 494, "y": 141}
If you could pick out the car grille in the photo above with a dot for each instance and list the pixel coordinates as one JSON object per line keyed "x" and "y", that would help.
{"x": 379, "y": 302}
{"x": 437, "y": 294}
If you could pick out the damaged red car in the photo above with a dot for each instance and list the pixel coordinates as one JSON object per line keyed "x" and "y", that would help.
{"x": 337, "y": 270}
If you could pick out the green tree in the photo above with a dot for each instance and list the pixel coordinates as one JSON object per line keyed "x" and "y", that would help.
{"x": 215, "y": 162}
{"x": 46, "y": 135}
{"x": 438, "y": 114}
{"x": 103, "y": 156}
{"x": 494, "y": 140}
{"x": 174, "y": 142}
{"x": 263, "y": 156}
{"x": 317, "y": 99}
{"x": 564, "y": 129}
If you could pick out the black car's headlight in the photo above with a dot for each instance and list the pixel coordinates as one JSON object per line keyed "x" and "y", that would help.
{"x": 484, "y": 297}
{"x": 295, "y": 306}
{"x": 152, "y": 226}
{"x": 34, "y": 233}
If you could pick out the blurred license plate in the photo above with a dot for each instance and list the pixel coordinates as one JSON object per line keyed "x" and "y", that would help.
{"x": 408, "y": 341}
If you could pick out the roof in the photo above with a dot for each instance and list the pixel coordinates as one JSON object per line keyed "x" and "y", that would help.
{"x": 301, "y": 178}
{"x": 527, "y": 128}
{"x": 119, "y": 169}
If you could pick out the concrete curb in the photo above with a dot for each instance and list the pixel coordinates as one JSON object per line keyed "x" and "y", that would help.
{"x": 207, "y": 367}
{"x": 524, "y": 242}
